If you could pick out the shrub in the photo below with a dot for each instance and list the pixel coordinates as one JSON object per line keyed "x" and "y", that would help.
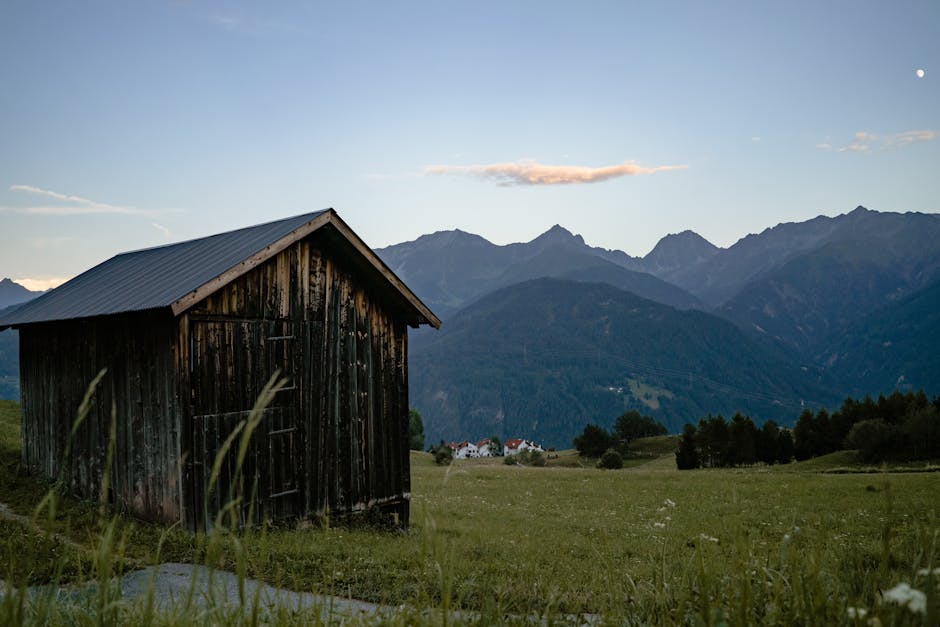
{"x": 593, "y": 441}
{"x": 535, "y": 458}
{"x": 525, "y": 458}
{"x": 610, "y": 460}
{"x": 443, "y": 456}
{"x": 875, "y": 439}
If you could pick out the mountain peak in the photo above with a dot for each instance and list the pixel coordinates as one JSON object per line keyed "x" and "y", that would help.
{"x": 558, "y": 234}
{"x": 678, "y": 250}
{"x": 12, "y": 293}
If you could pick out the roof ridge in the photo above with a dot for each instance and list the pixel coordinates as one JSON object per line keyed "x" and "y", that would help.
{"x": 312, "y": 215}
{"x": 176, "y": 276}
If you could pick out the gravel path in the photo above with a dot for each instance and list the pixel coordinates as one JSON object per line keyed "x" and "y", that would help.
{"x": 173, "y": 583}
{"x": 175, "y": 587}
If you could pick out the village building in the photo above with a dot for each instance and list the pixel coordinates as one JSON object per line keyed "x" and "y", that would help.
{"x": 514, "y": 446}
{"x": 188, "y": 335}
{"x": 484, "y": 448}
{"x": 464, "y": 450}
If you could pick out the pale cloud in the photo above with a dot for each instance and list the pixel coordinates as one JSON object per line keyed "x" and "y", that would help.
{"x": 162, "y": 229}
{"x": 69, "y": 205}
{"x": 76, "y": 205}
{"x": 41, "y": 284}
{"x": 530, "y": 172}
{"x": 908, "y": 137}
{"x": 244, "y": 23}
{"x": 864, "y": 141}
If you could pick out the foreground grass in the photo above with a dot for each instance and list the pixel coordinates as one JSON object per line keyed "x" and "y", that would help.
{"x": 643, "y": 545}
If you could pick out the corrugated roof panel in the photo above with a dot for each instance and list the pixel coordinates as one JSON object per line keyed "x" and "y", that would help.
{"x": 152, "y": 278}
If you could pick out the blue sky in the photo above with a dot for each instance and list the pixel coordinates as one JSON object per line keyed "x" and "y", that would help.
{"x": 132, "y": 124}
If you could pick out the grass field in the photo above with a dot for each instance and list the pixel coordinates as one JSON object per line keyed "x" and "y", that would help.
{"x": 643, "y": 545}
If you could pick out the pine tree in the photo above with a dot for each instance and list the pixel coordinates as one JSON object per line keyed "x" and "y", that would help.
{"x": 687, "y": 456}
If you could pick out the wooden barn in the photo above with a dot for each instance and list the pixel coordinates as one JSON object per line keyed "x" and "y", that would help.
{"x": 189, "y": 334}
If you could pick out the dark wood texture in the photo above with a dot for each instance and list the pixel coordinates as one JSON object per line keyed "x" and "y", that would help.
{"x": 333, "y": 440}
{"x": 58, "y": 362}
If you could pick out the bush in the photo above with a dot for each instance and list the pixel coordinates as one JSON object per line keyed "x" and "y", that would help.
{"x": 593, "y": 441}
{"x": 610, "y": 460}
{"x": 534, "y": 458}
{"x": 443, "y": 456}
{"x": 875, "y": 440}
{"x": 525, "y": 458}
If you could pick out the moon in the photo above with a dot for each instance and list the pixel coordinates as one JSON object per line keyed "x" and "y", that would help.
{"x": 920, "y": 73}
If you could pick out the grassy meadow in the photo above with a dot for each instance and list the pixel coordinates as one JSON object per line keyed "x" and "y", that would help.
{"x": 643, "y": 545}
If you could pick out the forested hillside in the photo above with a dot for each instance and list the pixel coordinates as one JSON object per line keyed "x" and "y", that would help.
{"x": 544, "y": 357}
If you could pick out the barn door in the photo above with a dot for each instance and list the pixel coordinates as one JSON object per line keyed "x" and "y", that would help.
{"x": 230, "y": 362}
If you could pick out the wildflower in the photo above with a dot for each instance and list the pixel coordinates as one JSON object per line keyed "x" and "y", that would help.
{"x": 659, "y": 525}
{"x": 669, "y": 503}
{"x": 708, "y": 538}
{"x": 906, "y": 596}
{"x": 856, "y": 612}
{"x": 923, "y": 572}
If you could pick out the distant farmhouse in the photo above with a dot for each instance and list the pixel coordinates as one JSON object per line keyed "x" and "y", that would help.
{"x": 485, "y": 448}
{"x": 515, "y": 446}
{"x": 189, "y": 334}
{"x": 463, "y": 450}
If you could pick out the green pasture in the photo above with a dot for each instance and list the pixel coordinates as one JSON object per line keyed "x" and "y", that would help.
{"x": 565, "y": 542}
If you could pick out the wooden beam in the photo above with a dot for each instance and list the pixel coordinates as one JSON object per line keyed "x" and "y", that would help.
{"x": 385, "y": 271}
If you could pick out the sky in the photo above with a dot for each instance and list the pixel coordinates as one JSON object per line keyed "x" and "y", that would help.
{"x": 125, "y": 125}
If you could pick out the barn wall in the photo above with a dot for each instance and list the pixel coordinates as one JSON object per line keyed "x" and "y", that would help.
{"x": 346, "y": 361}
{"x": 58, "y": 361}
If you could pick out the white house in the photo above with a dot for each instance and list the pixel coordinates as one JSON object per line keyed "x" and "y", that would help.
{"x": 484, "y": 448}
{"x": 463, "y": 450}
{"x": 515, "y": 445}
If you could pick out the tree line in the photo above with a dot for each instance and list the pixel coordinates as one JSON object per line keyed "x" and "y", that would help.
{"x": 717, "y": 443}
{"x": 595, "y": 440}
{"x": 899, "y": 427}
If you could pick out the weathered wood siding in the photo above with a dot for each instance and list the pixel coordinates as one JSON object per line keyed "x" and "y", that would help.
{"x": 336, "y": 440}
{"x": 57, "y": 363}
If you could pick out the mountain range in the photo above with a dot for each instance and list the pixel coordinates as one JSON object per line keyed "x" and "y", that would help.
{"x": 11, "y": 295}
{"x": 544, "y": 336}
{"x": 820, "y": 303}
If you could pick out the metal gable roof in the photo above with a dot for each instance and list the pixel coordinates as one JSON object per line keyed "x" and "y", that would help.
{"x": 177, "y": 275}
